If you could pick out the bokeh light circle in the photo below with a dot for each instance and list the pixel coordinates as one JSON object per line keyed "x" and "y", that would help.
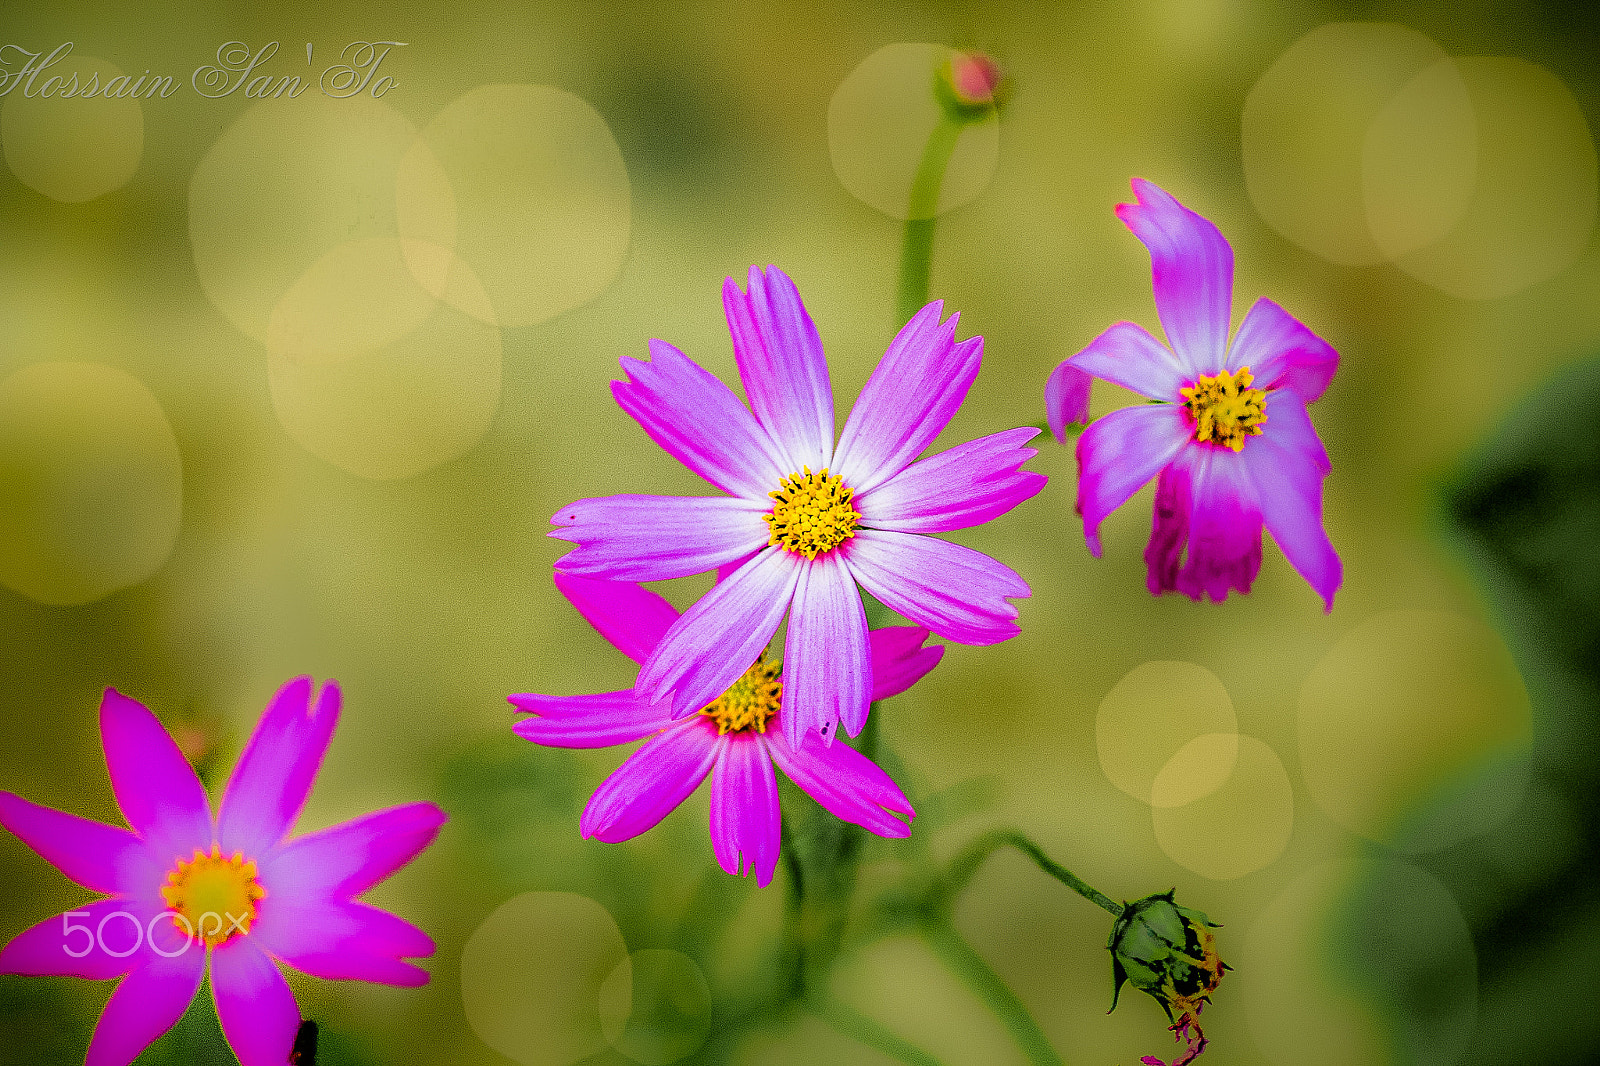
{"x": 1223, "y": 831}
{"x": 75, "y": 148}
{"x": 1149, "y": 715}
{"x": 541, "y": 192}
{"x": 91, "y": 482}
{"x": 879, "y": 121}
{"x": 655, "y": 1007}
{"x": 531, "y": 977}
{"x": 1396, "y": 713}
{"x": 1419, "y": 161}
{"x": 1304, "y": 130}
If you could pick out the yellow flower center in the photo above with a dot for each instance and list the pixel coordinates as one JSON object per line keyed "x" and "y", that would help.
{"x": 751, "y": 701}
{"x": 1225, "y": 408}
{"x": 213, "y": 897}
{"x": 811, "y": 513}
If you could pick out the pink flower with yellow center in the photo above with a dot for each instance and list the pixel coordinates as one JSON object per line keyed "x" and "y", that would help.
{"x": 733, "y": 740}
{"x": 806, "y": 520}
{"x": 1228, "y": 440}
{"x": 236, "y": 890}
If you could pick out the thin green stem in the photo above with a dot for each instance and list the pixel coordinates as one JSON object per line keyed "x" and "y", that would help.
{"x": 865, "y": 1030}
{"x": 996, "y": 994}
{"x": 966, "y": 864}
{"x": 916, "y": 244}
{"x": 794, "y": 912}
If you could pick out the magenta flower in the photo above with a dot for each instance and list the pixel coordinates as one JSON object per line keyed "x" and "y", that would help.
{"x": 732, "y": 739}
{"x": 185, "y": 887}
{"x": 1229, "y": 438}
{"x": 805, "y": 520}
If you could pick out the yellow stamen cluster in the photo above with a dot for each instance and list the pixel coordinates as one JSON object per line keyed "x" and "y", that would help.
{"x": 213, "y": 896}
{"x": 811, "y": 513}
{"x": 1225, "y": 408}
{"x": 750, "y": 702}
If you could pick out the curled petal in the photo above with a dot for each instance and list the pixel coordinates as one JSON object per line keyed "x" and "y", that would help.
{"x": 344, "y": 941}
{"x": 827, "y": 672}
{"x": 653, "y": 781}
{"x": 700, "y": 422}
{"x": 596, "y": 721}
{"x": 899, "y": 660}
{"x": 145, "y": 1004}
{"x": 1127, "y": 355}
{"x": 347, "y": 859}
{"x": 718, "y": 638}
{"x": 1287, "y": 464}
{"x": 155, "y": 786}
{"x": 100, "y": 857}
{"x": 1119, "y": 454}
{"x": 846, "y": 783}
{"x": 909, "y": 399}
{"x": 958, "y": 593}
{"x": 632, "y": 618}
{"x": 745, "y": 824}
{"x": 257, "y": 1011}
{"x": 1282, "y": 353}
{"x": 273, "y": 777}
{"x": 965, "y": 486}
{"x": 653, "y": 538}
{"x": 1205, "y": 504}
{"x": 782, "y": 366}
{"x": 1193, "y": 268}
{"x": 1066, "y": 399}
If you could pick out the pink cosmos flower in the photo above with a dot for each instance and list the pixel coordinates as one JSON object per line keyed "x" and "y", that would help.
{"x": 732, "y": 739}
{"x": 1229, "y": 438}
{"x": 806, "y": 520}
{"x": 185, "y": 887}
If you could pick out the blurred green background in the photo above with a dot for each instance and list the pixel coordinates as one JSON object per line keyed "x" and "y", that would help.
{"x": 292, "y": 386}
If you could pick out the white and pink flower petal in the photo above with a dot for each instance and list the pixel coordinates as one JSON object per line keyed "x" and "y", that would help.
{"x": 590, "y": 721}
{"x": 1282, "y": 353}
{"x": 99, "y": 857}
{"x": 273, "y": 777}
{"x": 1192, "y": 265}
{"x": 698, "y": 420}
{"x": 654, "y": 538}
{"x": 909, "y": 399}
{"x": 745, "y": 819}
{"x": 631, "y": 617}
{"x": 846, "y": 783}
{"x": 156, "y": 788}
{"x": 967, "y": 485}
{"x": 1119, "y": 454}
{"x": 958, "y": 593}
{"x": 1127, "y": 355}
{"x": 652, "y": 782}
{"x": 781, "y": 364}
{"x": 345, "y": 860}
{"x": 1206, "y": 534}
{"x": 899, "y": 659}
{"x": 827, "y": 670}
{"x": 1066, "y": 398}
{"x": 1287, "y": 465}
{"x": 345, "y": 941}
{"x": 258, "y": 1013}
{"x": 145, "y": 1004}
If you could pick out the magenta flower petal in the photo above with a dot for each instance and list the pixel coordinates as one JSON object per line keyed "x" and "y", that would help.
{"x": 347, "y": 859}
{"x": 1127, "y": 355}
{"x": 257, "y": 1011}
{"x": 155, "y": 786}
{"x": 782, "y": 367}
{"x": 846, "y": 783}
{"x": 899, "y": 660}
{"x": 1282, "y": 353}
{"x": 718, "y": 638}
{"x": 109, "y": 946}
{"x": 632, "y": 618}
{"x": 1119, "y": 454}
{"x": 827, "y": 669}
{"x": 653, "y": 781}
{"x": 653, "y": 538}
{"x": 958, "y": 593}
{"x": 273, "y": 777}
{"x": 594, "y": 721}
{"x": 345, "y": 941}
{"x": 1193, "y": 267}
{"x": 745, "y": 826}
{"x": 1066, "y": 399}
{"x": 700, "y": 422}
{"x": 145, "y": 1004}
{"x": 1205, "y": 504}
{"x": 100, "y": 857}
{"x": 965, "y": 486}
{"x": 912, "y": 394}
{"x": 1287, "y": 465}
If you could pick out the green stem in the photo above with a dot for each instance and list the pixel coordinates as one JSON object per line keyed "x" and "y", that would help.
{"x": 966, "y": 864}
{"x": 970, "y": 967}
{"x": 916, "y": 245}
{"x": 794, "y": 912}
{"x": 865, "y": 1030}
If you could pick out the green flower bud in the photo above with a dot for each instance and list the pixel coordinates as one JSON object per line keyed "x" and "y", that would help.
{"x": 1167, "y": 951}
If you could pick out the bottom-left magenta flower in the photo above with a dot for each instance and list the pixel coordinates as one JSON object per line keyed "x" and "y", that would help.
{"x": 236, "y": 890}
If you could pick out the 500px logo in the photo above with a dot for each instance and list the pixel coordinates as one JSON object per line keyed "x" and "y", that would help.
{"x": 213, "y": 928}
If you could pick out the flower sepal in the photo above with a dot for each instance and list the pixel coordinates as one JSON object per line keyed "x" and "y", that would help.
{"x": 1168, "y": 952}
